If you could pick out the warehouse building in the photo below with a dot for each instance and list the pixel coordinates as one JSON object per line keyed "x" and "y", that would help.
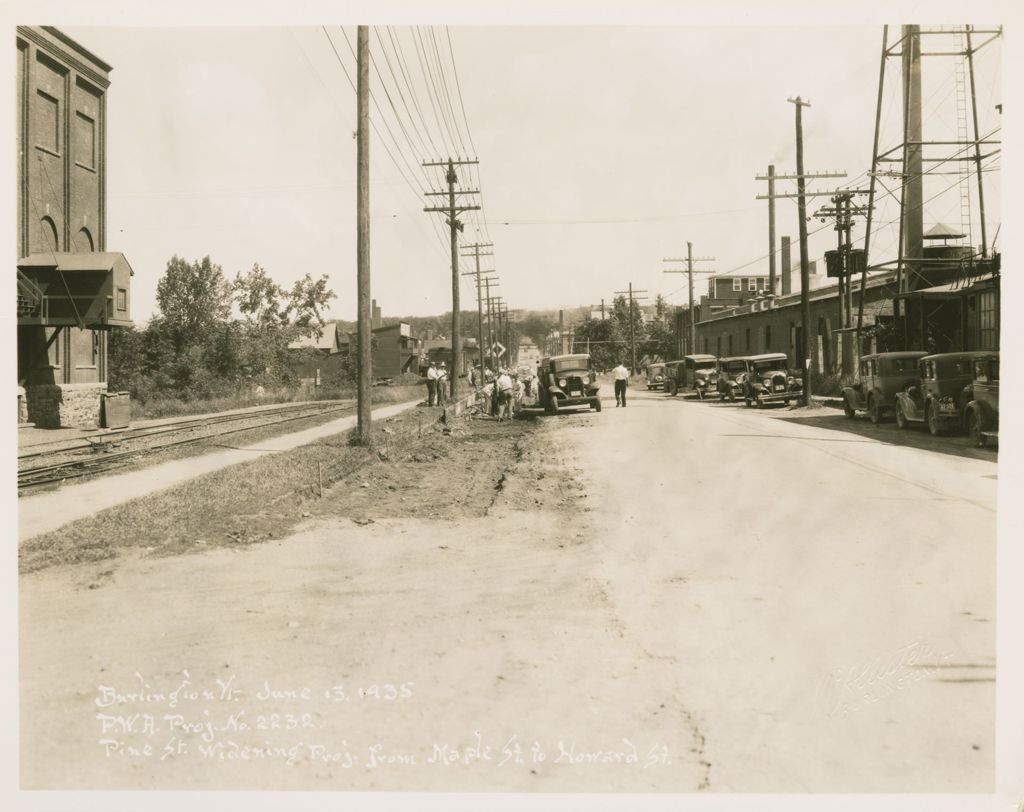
{"x": 71, "y": 290}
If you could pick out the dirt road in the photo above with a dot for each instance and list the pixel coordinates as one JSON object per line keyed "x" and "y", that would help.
{"x": 671, "y": 597}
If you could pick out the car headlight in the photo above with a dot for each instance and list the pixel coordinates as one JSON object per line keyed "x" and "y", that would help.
{"x": 767, "y": 382}
{"x": 562, "y": 382}
{"x": 790, "y": 379}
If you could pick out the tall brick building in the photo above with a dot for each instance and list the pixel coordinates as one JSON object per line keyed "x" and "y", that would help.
{"x": 71, "y": 291}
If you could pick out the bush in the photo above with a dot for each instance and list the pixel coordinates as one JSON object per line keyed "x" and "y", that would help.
{"x": 829, "y": 384}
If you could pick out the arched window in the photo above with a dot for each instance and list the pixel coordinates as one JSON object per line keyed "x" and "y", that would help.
{"x": 83, "y": 242}
{"x": 48, "y": 235}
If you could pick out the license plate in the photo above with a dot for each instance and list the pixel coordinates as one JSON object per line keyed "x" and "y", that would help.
{"x": 576, "y": 393}
{"x": 780, "y": 388}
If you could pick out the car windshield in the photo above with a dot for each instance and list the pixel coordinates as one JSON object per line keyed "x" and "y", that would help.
{"x": 656, "y": 369}
{"x": 579, "y": 363}
{"x": 770, "y": 365}
{"x": 705, "y": 365}
{"x": 734, "y": 366}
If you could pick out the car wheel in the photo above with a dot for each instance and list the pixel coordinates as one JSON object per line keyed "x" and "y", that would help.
{"x": 551, "y": 405}
{"x": 901, "y": 419}
{"x": 975, "y": 428}
{"x": 730, "y": 395}
{"x": 674, "y": 390}
{"x": 874, "y": 411}
{"x": 934, "y": 426}
{"x": 596, "y": 404}
{"x": 747, "y": 402}
{"x": 848, "y": 409}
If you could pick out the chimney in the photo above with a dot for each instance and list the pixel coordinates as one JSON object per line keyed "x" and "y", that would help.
{"x": 787, "y": 267}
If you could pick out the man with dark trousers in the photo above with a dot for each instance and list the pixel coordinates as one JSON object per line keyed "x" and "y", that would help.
{"x": 621, "y": 378}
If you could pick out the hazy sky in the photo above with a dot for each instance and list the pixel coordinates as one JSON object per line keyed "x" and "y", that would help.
{"x": 602, "y": 150}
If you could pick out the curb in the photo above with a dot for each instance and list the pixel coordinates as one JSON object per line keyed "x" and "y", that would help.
{"x": 458, "y": 407}
{"x": 828, "y": 400}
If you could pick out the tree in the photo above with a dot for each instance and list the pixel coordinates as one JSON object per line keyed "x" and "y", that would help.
{"x": 192, "y": 298}
{"x": 307, "y": 302}
{"x": 260, "y": 299}
{"x": 604, "y": 340}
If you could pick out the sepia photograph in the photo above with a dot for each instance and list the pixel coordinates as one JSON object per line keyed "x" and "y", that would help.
{"x": 434, "y": 407}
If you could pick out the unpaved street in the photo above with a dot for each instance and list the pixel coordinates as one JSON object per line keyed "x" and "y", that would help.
{"x": 635, "y": 605}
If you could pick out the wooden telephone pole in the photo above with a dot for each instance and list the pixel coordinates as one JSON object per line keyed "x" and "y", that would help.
{"x": 476, "y": 253}
{"x": 363, "y": 336}
{"x": 455, "y": 226}
{"x": 632, "y": 294}
{"x": 801, "y": 178}
{"x": 689, "y": 259}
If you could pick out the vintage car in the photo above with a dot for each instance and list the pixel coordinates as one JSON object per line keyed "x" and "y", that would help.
{"x": 768, "y": 380}
{"x": 981, "y": 418}
{"x": 732, "y": 374}
{"x": 564, "y": 381}
{"x": 940, "y": 399}
{"x": 655, "y": 376}
{"x": 882, "y": 376}
{"x": 695, "y": 372}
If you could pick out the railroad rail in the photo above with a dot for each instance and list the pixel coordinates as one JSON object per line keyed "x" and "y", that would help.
{"x": 94, "y": 455}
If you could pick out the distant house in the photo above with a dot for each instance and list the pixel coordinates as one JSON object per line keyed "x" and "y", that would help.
{"x": 312, "y": 355}
{"x": 395, "y": 350}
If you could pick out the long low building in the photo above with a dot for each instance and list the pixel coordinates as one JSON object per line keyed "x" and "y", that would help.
{"x": 950, "y": 307}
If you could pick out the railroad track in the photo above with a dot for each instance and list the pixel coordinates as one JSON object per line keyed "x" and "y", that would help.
{"x": 97, "y": 455}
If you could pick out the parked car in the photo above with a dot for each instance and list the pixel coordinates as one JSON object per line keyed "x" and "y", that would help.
{"x": 655, "y": 376}
{"x": 695, "y": 372}
{"x": 768, "y": 380}
{"x": 564, "y": 381}
{"x": 940, "y": 399}
{"x": 732, "y": 374}
{"x": 882, "y": 376}
{"x": 981, "y": 418}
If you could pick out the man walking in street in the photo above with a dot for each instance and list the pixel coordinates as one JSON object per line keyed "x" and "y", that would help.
{"x": 432, "y": 384}
{"x": 504, "y": 384}
{"x": 621, "y": 378}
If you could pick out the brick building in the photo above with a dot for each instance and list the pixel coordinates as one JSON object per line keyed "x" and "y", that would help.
{"x": 71, "y": 290}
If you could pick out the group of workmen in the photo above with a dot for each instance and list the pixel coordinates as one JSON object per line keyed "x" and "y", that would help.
{"x": 500, "y": 394}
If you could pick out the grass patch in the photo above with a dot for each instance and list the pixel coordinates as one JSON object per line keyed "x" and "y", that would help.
{"x": 242, "y": 504}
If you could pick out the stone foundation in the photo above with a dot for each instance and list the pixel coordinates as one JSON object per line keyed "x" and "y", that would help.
{"x": 66, "y": 405}
{"x": 22, "y": 406}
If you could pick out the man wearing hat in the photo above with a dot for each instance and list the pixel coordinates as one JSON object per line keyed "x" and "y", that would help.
{"x": 442, "y": 384}
{"x": 432, "y": 384}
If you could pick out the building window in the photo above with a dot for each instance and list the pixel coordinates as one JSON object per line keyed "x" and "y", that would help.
{"x": 47, "y": 123}
{"x": 48, "y": 235}
{"x": 83, "y": 240}
{"x": 737, "y": 285}
{"x": 988, "y": 325}
{"x": 122, "y": 299}
{"x": 752, "y": 283}
{"x": 85, "y": 141}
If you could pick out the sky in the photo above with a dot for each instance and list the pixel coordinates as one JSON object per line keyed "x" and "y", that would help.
{"x": 602, "y": 150}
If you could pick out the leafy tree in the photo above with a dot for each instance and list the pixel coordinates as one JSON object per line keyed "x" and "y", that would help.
{"x": 604, "y": 339}
{"x": 307, "y": 302}
{"x": 192, "y": 298}
{"x": 260, "y": 299}
{"x": 660, "y": 340}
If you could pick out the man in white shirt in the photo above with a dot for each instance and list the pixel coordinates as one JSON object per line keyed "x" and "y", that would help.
{"x": 621, "y": 377}
{"x": 442, "y": 384}
{"x": 504, "y": 384}
{"x": 432, "y": 384}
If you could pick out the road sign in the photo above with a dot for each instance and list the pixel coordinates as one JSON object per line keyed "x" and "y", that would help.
{"x": 498, "y": 349}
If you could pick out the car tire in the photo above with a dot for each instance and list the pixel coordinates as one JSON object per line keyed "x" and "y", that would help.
{"x": 935, "y": 428}
{"x": 975, "y": 428}
{"x": 901, "y": 419}
{"x": 848, "y": 409}
{"x": 874, "y": 411}
{"x": 551, "y": 405}
{"x": 673, "y": 389}
{"x": 747, "y": 402}
{"x": 596, "y": 404}
{"x": 730, "y": 395}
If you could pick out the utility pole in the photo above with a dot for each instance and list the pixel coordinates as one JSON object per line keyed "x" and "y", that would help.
{"x": 477, "y": 253}
{"x": 363, "y": 335}
{"x": 488, "y": 281}
{"x": 633, "y": 297}
{"x": 455, "y": 226}
{"x": 689, "y": 260}
{"x": 805, "y": 273}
